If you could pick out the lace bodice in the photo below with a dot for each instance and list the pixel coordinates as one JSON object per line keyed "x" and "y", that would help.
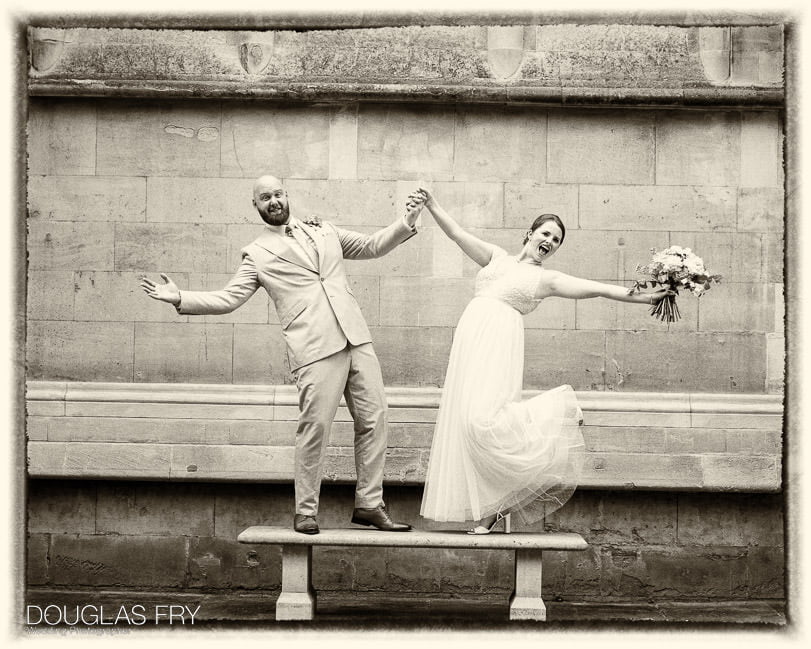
{"x": 512, "y": 282}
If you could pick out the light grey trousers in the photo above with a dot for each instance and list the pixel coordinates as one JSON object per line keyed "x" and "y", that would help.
{"x": 354, "y": 373}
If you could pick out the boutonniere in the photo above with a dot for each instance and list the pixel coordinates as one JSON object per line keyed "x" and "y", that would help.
{"x": 313, "y": 221}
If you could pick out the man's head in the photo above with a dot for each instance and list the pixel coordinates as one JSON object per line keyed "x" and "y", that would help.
{"x": 270, "y": 200}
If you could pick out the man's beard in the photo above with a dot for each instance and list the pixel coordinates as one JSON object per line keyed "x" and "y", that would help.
{"x": 276, "y": 218}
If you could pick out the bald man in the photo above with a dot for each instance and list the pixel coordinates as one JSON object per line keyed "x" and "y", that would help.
{"x": 329, "y": 346}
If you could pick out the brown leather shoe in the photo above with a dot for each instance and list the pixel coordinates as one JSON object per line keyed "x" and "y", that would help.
{"x": 379, "y": 518}
{"x": 305, "y": 524}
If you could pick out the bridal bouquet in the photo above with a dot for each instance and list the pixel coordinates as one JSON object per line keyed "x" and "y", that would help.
{"x": 674, "y": 268}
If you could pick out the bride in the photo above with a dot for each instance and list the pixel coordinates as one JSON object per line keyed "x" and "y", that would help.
{"x": 492, "y": 453}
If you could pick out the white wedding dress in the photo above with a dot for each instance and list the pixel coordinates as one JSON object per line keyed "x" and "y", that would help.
{"x": 491, "y": 451}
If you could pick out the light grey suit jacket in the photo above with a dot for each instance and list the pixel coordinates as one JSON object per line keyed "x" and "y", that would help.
{"x": 317, "y": 310}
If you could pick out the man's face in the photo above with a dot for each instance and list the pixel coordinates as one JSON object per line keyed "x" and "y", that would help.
{"x": 270, "y": 200}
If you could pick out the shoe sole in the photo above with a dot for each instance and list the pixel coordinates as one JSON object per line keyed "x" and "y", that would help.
{"x": 306, "y": 531}
{"x": 358, "y": 521}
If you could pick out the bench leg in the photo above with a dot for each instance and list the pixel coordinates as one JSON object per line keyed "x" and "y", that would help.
{"x": 297, "y": 600}
{"x": 526, "y": 602}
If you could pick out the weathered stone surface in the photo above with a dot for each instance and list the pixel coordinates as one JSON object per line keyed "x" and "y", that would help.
{"x": 171, "y": 247}
{"x": 286, "y": 141}
{"x": 735, "y": 256}
{"x": 497, "y": 144}
{"x": 345, "y": 202}
{"x": 36, "y": 556}
{"x": 185, "y": 352}
{"x": 54, "y": 245}
{"x": 738, "y": 307}
{"x": 610, "y": 315}
{"x": 423, "y": 301}
{"x": 80, "y": 351}
{"x": 572, "y": 574}
{"x": 612, "y": 207}
{"x": 553, "y": 358}
{"x": 757, "y": 53}
{"x": 49, "y": 295}
{"x": 761, "y": 150}
{"x": 553, "y": 313}
{"x": 260, "y": 355}
{"x": 226, "y": 564}
{"x": 239, "y": 236}
{"x": 61, "y": 137}
{"x": 367, "y": 292}
{"x": 267, "y": 505}
{"x": 730, "y": 520}
{"x": 761, "y": 209}
{"x": 607, "y": 147}
{"x": 241, "y": 462}
{"x": 118, "y": 297}
{"x": 142, "y": 509}
{"x": 408, "y": 143}
{"x": 411, "y": 355}
{"x": 774, "y": 253}
{"x": 712, "y": 362}
{"x": 199, "y": 200}
{"x": 704, "y": 151}
{"x": 87, "y": 198}
{"x": 57, "y": 507}
{"x": 775, "y": 363}
{"x": 766, "y": 573}
{"x": 159, "y": 139}
{"x": 524, "y": 201}
{"x": 146, "y": 561}
{"x": 471, "y": 204}
{"x": 343, "y": 142}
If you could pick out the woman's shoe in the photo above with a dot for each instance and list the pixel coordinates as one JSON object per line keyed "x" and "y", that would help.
{"x": 480, "y": 529}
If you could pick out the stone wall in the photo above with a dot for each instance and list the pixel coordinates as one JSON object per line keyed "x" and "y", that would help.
{"x": 118, "y": 189}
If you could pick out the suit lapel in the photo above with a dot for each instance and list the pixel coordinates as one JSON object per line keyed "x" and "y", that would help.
{"x": 278, "y": 245}
{"x": 317, "y": 238}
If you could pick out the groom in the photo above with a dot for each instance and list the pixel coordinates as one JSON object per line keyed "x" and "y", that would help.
{"x": 329, "y": 347}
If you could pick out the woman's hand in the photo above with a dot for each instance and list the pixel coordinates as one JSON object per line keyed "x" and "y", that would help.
{"x": 656, "y": 296}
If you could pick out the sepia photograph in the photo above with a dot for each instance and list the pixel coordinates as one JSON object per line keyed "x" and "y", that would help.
{"x": 405, "y": 321}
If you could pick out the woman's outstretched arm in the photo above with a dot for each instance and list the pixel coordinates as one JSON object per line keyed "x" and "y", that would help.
{"x": 477, "y": 249}
{"x": 557, "y": 284}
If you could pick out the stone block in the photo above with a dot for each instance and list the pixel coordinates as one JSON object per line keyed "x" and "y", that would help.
{"x": 171, "y": 410}
{"x": 160, "y": 139}
{"x": 61, "y": 137}
{"x": 171, "y": 248}
{"x": 761, "y": 209}
{"x": 285, "y": 141}
{"x": 552, "y": 313}
{"x": 779, "y": 309}
{"x": 334, "y": 568}
{"x": 499, "y": 144}
{"x": 367, "y": 293}
{"x": 525, "y": 200}
{"x": 695, "y": 440}
{"x": 256, "y": 310}
{"x": 572, "y": 574}
{"x": 413, "y": 356}
{"x": 754, "y": 473}
{"x": 774, "y": 254}
{"x": 239, "y": 506}
{"x": 241, "y": 463}
{"x": 120, "y": 561}
{"x": 36, "y": 559}
{"x": 49, "y": 295}
{"x": 686, "y": 362}
{"x": 186, "y": 353}
{"x": 154, "y": 509}
{"x": 626, "y": 439}
{"x": 346, "y": 203}
{"x": 644, "y": 471}
{"x": 226, "y": 564}
{"x": 754, "y": 442}
{"x": 200, "y": 200}
{"x": 423, "y": 301}
{"x": 738, "y": 307}
{"x": 618, "y": 519}
{"x": 698, "y": 148}
{"x": 118, "y": 297}
{"x": 470, "y": 204}
{"x": 260, "y": 355}
{"x": 766, "y": 573}
{"x": 343, "y": 142}
{"x": 757, "y": 53}
{"x": 735, "y": 256}
{"x": 730, "y": 520}
{"x": 239, "y": 236}
{"x": 54, "y": 245}
{"x": 59, "y": 507}
{"x": 79, "y": 351}
{"x": 610, "y": 315}
{"x": 36, "y": 428}
{"x": 612, "y": 207}
{"x": 607, "y": 147}
{"x": 775, "y": 363}
{"x": 761, "y": 150}
{"x": 553, "y": 358}
{"x": 405, "y": 142}
{"x": 87, "y": 198}
{"x": 400, "y": 573}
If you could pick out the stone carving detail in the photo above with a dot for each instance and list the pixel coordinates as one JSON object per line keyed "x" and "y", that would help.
{"x": 255, "y": 56}
{"x": 505, "y": 50}
{"x": 714, "y": 51}
{"x": 45, "y": 48}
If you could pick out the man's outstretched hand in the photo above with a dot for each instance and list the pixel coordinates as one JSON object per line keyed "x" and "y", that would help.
{"x": 168, "y": 292}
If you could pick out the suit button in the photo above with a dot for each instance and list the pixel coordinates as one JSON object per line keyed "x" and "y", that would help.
{"x": 322, "y": 279}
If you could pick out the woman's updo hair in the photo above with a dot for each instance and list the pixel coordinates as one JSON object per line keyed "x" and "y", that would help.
{"x": 543, "y": 218}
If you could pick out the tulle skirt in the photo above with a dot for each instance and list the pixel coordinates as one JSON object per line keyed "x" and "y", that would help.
{"x": 491, "y": 451}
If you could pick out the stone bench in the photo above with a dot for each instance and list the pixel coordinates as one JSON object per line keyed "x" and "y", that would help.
{"x": 297, "y": 599}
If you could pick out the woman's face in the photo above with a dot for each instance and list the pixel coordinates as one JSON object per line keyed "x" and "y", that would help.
{"x": 543, "y": 242}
